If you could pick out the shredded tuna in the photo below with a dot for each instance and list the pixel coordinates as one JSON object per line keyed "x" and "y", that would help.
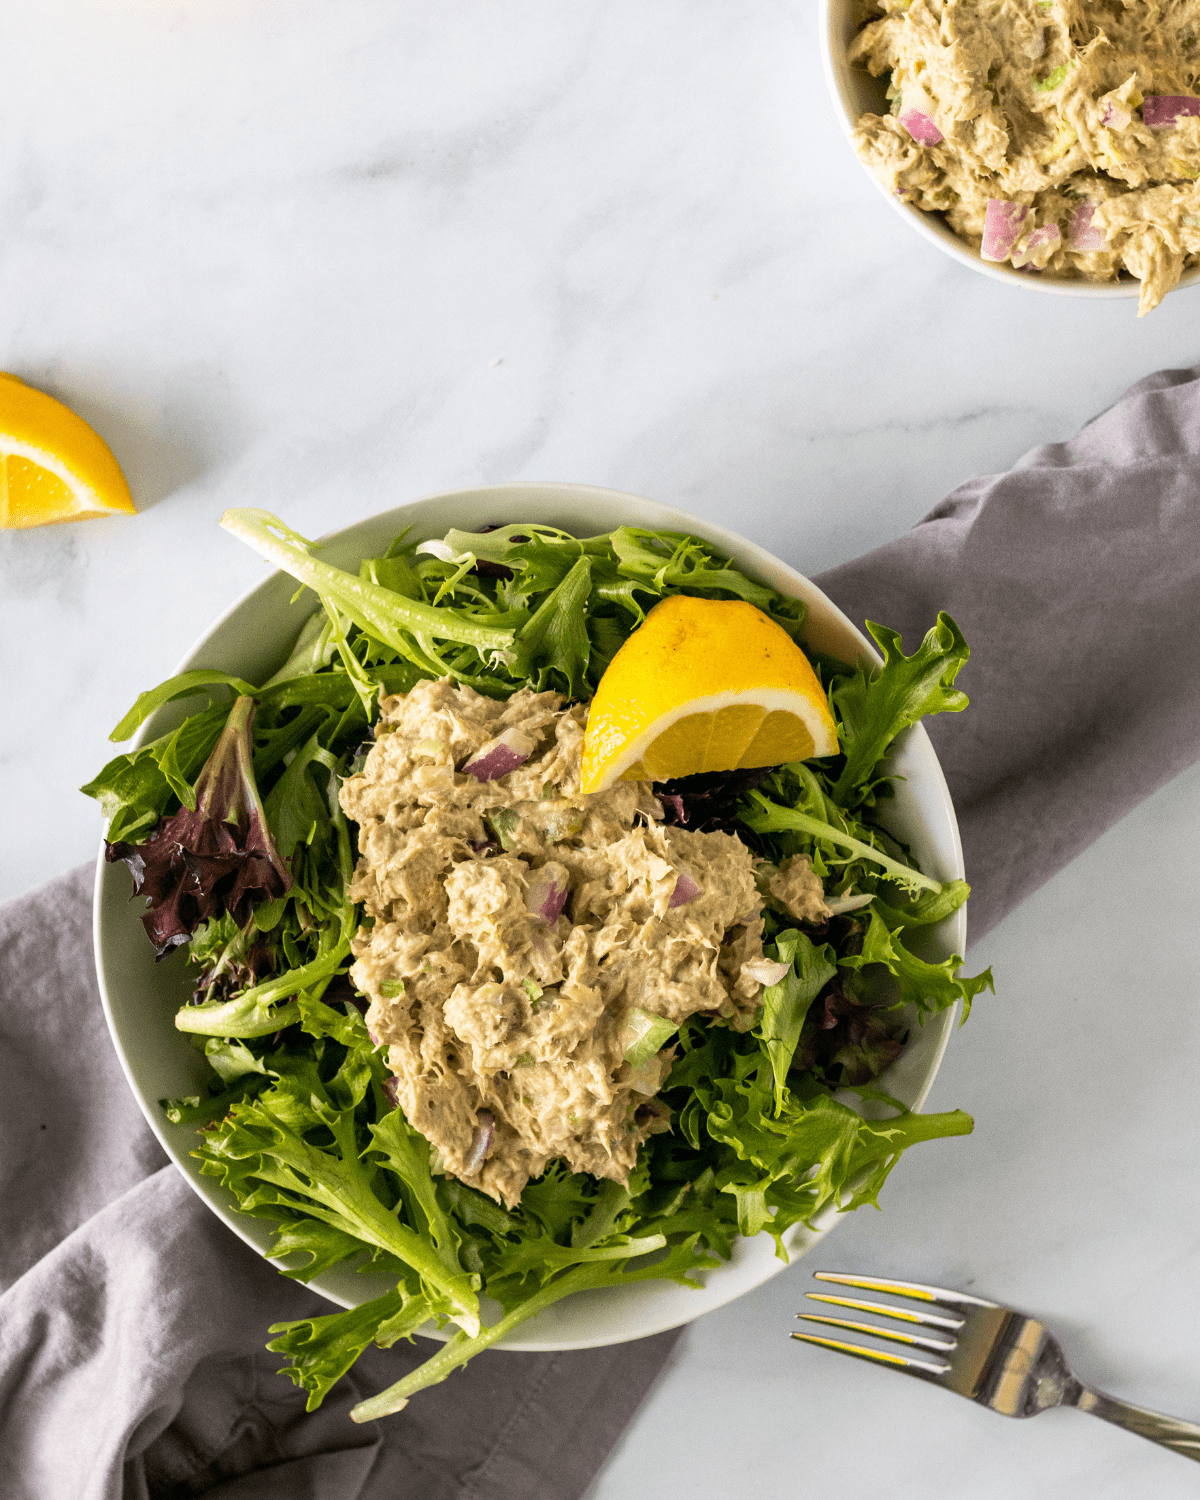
{"x": 1027, "y": 111}
{"x": 498, "y": 1009}
{"x": 799, "y": 891}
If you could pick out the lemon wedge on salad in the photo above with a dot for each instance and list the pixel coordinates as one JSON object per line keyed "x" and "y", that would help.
{"x": 704, "y": 685}
{"x": 53, "y": 467}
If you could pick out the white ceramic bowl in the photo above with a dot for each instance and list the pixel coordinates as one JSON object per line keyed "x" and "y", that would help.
{"x": 855, "y": 92}
{"x": 252, "y": 640}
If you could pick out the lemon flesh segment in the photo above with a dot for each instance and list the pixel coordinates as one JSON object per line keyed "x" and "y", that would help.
{"x": 53, "y": 467}
{"x": 739, "y": 737}
{"x": 29, "y": 494}
{"x": 704, "y": 685}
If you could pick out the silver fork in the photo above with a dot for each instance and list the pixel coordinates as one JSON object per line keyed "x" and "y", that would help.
{"x": 990, "y": 1354}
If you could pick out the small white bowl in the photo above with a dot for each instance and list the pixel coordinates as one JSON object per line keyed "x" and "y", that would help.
{"x": 252, "y": 640}
{"x": 855, "y": 93}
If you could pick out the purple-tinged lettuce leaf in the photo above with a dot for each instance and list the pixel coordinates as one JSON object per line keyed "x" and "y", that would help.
{"x": 849, "y": 1040}
{"x": 708, "y": 803}
{"x": 217, "y": 857}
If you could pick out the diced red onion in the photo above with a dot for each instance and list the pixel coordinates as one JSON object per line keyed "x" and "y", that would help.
{"x": 547, "y": 892}
{"x": 766, "y": 971}
{"x": 1080, "y": 233}
{"x": 1161, "y": 111}
{"x": 675, "y": 803}
{"x": 1115, "y": 116}
{"x": 481, "y": 1144}
{"x": 685, "y": 890}
{"x": 1002, "y": 228}
{"x": 499, "y": 756}
{"x": 840, "y": 905}
{"x": 653, "y": 1116}
{"x": 922, "y": 129}
{"x": 916, "y": 115}
{"x": 391, "y": 1088}
{"x": 1048, "y": 238}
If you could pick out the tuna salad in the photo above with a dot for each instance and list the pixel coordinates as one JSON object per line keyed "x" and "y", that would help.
{"x": 1060, "y": 136}
{"x": 494, "y": 1042}
{"x": 522, "y": 940}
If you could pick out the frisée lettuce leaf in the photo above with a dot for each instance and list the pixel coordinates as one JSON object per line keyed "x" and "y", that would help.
{"x": 872, "y": 708}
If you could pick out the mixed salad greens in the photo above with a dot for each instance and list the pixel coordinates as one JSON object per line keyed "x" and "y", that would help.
{"x": 232, "y": 829}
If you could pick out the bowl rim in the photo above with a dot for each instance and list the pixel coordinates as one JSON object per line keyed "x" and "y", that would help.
{"x": 750, "y": 1264}
{"x": 835, "y": 18}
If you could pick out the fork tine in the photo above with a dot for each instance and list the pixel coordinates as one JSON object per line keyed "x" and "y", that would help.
{"x": 893, "y": 1334}
{"x": 912, "y": 1289}
{"x": 910, "y": 1366}
{"x": 901, "y": 1314}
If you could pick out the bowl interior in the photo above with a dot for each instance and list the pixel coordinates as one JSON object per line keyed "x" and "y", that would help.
{"x": 252, "y": 640}
{"x": 854, "y": 92}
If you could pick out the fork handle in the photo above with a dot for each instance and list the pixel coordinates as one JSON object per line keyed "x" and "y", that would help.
{"x": 1170, "y": 1432}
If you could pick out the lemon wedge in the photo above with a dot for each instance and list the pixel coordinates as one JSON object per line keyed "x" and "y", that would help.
{"x": 53, "y": 467}
{"x": 704, "y": 685}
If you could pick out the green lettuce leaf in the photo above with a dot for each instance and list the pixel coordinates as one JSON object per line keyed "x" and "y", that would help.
{"x": 185, "y": 685}
{"x": 786, "y": 1004}
{"x": 322, "y": 1349}
{"x": 268, "y": 1154}
{"x": 383, "y": 614}
{"x": 930, "y": 987}
{"x": 927, "y": 908}
{"x": 872, "y": 710}
{"x": 763, "y": 815}
{"x": 679, "y": 1263}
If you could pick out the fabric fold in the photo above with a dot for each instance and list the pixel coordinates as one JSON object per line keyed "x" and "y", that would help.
{"x": 1076, "y": 580}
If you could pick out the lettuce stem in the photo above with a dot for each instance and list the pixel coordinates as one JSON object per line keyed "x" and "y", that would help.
{"x": 458, "y": 1350}
{"x": 381, "y": 612}
{"x": 768, "y": 817}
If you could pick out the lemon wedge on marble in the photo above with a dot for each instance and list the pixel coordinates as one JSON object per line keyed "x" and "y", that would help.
{"x": 704, "y": 685}
{"x": 53, "y": 467}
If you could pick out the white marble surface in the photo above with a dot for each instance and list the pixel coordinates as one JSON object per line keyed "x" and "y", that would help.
{"x": 328, "y": 257}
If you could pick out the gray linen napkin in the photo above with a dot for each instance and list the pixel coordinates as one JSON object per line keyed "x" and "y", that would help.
{"x": 1076, "y": 579}
{"x": 131, "y": 1320}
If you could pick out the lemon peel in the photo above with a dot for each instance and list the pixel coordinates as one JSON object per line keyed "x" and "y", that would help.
{"x": 53, "y": 467}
